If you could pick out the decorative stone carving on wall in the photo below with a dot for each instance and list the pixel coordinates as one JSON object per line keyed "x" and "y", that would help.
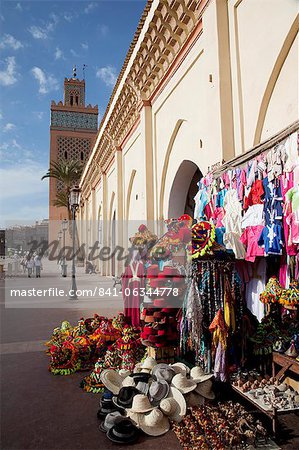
{"x": 65, "y": 119}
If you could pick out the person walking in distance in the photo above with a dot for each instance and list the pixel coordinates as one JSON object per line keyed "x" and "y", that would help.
{"x": 29, "y": 265}
{"x": 37, "y": 265}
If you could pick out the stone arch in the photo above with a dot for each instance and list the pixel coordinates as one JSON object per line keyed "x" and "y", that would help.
{"x": 183, "y": 189}
{"x": 165, "y": 165}
{"x": 129, "y": 192}
{"x": 288, "y": 42}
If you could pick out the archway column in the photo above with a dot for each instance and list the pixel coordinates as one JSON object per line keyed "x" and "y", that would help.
{"x": 105, "y": 231}
{"x": 119, "y": 206}
{"x": 147, "y": 133}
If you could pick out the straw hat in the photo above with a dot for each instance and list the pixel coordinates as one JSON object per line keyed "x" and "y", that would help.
{"x": 124, "y": 373}
{"x": 154, "y": 423}
{"x": 128, "y": 381}
{"x": 135, "y": 417}
{"x": 137, "y": 368}
{"x": 194, "y": 399}
{"x": 148, "y": 364}
{"x": 141, "y": 404}
{"x": 111, "y": 380}
{"x": 158, "y": 390}
{"x": 205, "y": 389}
{"x": 170, "y": 407}
{"x": 182, "y": 383}
{"x": 163, "y": 372}
{"x": 198, "y": 375}
{"x": 180, "y": 399}
{"x": 180, "y": 368}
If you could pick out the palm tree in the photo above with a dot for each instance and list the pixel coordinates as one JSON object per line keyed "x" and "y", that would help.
{"x": 68, "y": 173}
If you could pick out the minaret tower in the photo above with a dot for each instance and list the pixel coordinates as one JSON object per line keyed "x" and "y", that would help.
{"x": 73, "y": 132}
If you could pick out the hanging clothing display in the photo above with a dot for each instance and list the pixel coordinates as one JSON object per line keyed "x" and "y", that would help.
{"x": 214, "y": 286}
{"x": 132, "y": 280}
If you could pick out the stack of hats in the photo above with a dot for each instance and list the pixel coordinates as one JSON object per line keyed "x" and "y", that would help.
{"x": 122, "y": 354}
{"x": 119, "y": 429}
{"x": 154, "y": 394}
{"x": 106, "y": 405}
{"x": 161, "y": 285}
{"x": 159, "y": 327}
{"x": 144, "y": 239}
{"x": 79, "y": 347}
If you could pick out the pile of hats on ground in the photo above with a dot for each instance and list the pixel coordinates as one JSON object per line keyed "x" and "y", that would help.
{"x": 121, "y": 355}
{"x": 94, "y": 343}
{"x": 159, "y": 327}
{"x": 222, "y": 426}
{"x": 150, "y": 398}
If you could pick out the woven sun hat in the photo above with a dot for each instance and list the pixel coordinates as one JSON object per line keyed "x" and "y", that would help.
{"x": 110, "y": 420}
{"x": 157, "y": 391}
{"x": 125, "y": 397}
{"x": 123, "y": 432}
{"x": 170, "y": 408}
{"x": 124, "y": 373}
{"x": 128, "y": 381}
{"x": 154, "y": 423}
{"x": 198, "y": 375}
{"x": 148, "y": 364}
{"x": 194, "y": 399}
{"x": 180, "y": 368}
{"x": 141, "y": 404}
{"x": 163, "y": 371}
{"x": 183, "y": 384}
{"x": 142, "y": 387}
{"x": 205, "y": 389}
{"x": 181, "y": 401}
{"x": 135, "y": 417}
{"x": 111, "y": 380}
{"x": 137, "y": 367}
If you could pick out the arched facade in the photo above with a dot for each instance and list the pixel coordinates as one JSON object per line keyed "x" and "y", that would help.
{"x": 228, "y": 81}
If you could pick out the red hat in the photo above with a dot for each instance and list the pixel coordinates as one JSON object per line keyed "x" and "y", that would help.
{"x": 152, "y": 271}
{"x": 142, "y": 228}
{"x": 160, "y": 302}
{"x": 170, "y": 271}
{"x": 186, "y": 218}
{"x": 169, "y": 310}
{"x": 179, "y": 280}
{"x": 161, "y": 332}
{"x": 185, "y": 235}
{"x": 147, "y": 330}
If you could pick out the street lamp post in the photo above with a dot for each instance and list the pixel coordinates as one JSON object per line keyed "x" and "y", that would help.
{"x": 59, "y": 236}
{"x": 74, "y": 205}
{"x": 64, "y": 229}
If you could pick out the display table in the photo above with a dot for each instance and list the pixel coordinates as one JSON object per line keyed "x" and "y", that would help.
{"x": 286, "y": 363}
{"x": 270, "y": 412}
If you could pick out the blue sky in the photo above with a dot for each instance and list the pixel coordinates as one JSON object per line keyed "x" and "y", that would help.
{"x": 39, "y": 44}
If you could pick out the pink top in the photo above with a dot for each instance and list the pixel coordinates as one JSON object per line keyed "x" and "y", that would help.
{"x": 293, "y": 223}
{"x": 249, "y": 238}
